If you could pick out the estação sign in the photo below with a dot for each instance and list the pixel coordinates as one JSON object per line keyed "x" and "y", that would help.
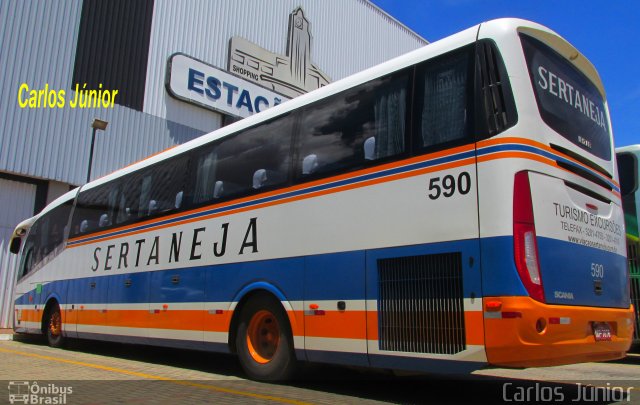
{"x": 196, "y": 82}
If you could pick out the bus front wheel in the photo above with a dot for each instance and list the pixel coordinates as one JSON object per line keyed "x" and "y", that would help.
{"x": 264, "y": 341}
{"x": 53, "y": 325}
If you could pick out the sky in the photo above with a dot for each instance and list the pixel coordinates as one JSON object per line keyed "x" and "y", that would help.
{"x": 606, "y": 32}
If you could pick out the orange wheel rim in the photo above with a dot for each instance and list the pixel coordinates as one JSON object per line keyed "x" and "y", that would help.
{"x": 55, "y": 324}
{"x": 263, "y": 336}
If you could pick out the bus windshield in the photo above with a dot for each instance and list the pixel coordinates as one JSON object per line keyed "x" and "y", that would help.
{"x": 567, "y": 100}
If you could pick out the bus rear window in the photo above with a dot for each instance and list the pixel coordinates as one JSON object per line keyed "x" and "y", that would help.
{"x": 568, "y": 102}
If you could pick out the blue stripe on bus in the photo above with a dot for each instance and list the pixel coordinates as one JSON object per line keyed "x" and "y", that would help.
{"x": 332, "y": 276}
{"x": 328, "y": 277}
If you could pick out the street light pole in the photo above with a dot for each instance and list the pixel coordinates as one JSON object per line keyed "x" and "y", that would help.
{"x": 96, "y": 125}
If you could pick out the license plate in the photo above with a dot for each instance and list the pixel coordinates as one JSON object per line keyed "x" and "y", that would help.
{"x": 602, "y": 332}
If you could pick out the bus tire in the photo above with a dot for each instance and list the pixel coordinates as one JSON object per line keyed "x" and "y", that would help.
{"x": 264, "y": 341}
{"x": 53, "y": 326}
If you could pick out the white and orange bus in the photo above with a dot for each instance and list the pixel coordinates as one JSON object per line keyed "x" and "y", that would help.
{"x": 453, "y": 207}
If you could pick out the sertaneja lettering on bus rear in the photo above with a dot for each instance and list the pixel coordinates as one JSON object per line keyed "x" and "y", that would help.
{"x": 561, "y": 88}
{"x": 156, "y": 250}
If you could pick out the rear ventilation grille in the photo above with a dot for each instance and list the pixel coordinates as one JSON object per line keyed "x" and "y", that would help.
{"x": 420, "y": 304}
{"x": 584, "y": 174}
{"x": 581, "y": 159}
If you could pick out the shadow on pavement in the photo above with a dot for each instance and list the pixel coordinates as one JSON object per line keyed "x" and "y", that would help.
{"x": 359, "y": 383}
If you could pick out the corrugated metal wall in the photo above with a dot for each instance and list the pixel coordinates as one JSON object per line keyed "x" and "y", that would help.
{"x": 38, "y": 48}
{"x": 16, "y": 200}
{"x": 39, "y": 44}
{"x": 348, "y": 36}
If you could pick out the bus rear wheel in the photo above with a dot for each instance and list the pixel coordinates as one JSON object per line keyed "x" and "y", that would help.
{"x": 264, "y": 341}
{"x": 53, "y": 325}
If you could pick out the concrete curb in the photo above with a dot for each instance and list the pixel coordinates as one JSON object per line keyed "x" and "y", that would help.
{"x": 6, "y": 337}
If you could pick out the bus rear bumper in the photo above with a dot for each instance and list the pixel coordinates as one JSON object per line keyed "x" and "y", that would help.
{"x": 522, "y": 332}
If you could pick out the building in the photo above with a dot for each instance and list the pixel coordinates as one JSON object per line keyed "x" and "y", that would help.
{"x": 160, "y": 73}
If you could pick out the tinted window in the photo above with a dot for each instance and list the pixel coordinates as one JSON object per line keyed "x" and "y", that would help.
{"x": 94, "y": 209}
{"x": 161, "y": 188}
{"x": 628, "y": 172}
{"x": 567, "y": 100}
{"x": 156, "y": 190}
{"x": 45, "y": 238}
{"x": 444, "y": 94}
{"x": 255, "y": 159}
{"x": 349, "y": 130}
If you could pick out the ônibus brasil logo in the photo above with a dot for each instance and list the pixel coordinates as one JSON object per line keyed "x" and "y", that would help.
{"x": 25, "y": 392}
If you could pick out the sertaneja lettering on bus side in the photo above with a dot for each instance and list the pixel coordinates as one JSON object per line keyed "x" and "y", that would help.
{"x": 126, "y": 255}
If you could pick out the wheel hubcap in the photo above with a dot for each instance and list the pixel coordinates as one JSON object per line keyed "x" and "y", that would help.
{"x": 55, "y": 324}
{"x": 263, "y": 336}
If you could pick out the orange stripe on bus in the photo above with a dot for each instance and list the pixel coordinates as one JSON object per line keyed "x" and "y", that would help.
{"x": 517, "y": 155}
{"x": 530, "y": 142}
{"x": 474, "y": 327}
{"x": 372, "y": 325}
{"x": 170, "y": 319}
{"x": 337, "y": 324}
{"x": 531, "y": 156}
{"x": 31, "y": 315}
{"x": 332, "y": 324}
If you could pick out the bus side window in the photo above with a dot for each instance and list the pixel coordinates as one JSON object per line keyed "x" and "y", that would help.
{"x": 205, "y": 179}
{"x": 128, "y": 199}
{"x": 250, "y": 161}
{"x": 162, "y": 186}
{"x": 45, "y": 238}
{"x": 627, "y": 167}
{"x": 444, "y": 100}
{"x": 256, "y": 158}
{"x": 95, "y": 209}
{"x": 28, "y": 253}
{"x": 353, "y": 129}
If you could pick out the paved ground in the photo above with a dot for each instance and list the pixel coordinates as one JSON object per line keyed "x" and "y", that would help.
{"x": 105, "y": 373}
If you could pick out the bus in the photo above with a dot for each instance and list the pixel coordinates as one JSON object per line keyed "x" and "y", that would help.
{"x": 629, "y": 171}
{"x": 454, "y": 207}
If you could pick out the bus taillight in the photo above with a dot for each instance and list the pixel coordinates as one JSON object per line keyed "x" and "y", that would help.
{"x": 524, "y": 238}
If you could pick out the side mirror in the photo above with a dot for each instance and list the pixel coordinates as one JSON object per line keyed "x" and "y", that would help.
{"x": 15, "y": 245}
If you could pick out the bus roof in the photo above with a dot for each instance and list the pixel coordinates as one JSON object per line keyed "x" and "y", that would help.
{"x": 629, "y": 148}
